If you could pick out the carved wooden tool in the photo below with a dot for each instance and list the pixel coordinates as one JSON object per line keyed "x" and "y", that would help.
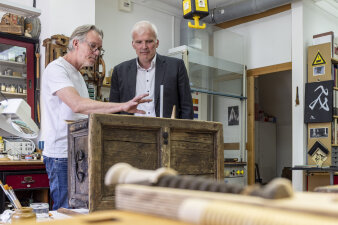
{"x": 122, "y": 173}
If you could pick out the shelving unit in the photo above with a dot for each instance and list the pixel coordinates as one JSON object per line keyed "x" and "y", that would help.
{"x": 17, "y": 58}
{"x": 335, "y": 117}
{"x": 12, "y": 63}
{"x": 12, "y": 77}
{"x": 334, "y": 146}
{"x": 14, "y": 95}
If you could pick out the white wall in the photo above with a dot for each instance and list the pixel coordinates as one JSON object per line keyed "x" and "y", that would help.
{"x": 230, "y": 46}
{"x": 260, "y": 43}
{"x": 267, "y": 40}
{"x": 298, "y": 80}
{"x": 307, "y": 20}
{"x": 317, "y": 21}
{"x": 62, "y": 17}
{"x": 118, "y": 24}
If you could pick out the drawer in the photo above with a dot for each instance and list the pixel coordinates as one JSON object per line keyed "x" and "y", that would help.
{"x": 30, "y": 181}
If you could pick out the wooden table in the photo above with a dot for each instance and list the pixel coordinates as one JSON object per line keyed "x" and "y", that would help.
{"x": 112, "y": 217}
{"x": 14, "y": 163}
{"x": 330, "y": 170}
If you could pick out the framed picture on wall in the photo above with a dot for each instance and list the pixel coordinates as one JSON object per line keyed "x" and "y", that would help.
{"x": 318, "y": 102}
{"x": 322, "y": 132}
{"x": 233, "y": 115}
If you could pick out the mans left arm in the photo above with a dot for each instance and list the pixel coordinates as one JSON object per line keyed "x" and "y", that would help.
{"x": 184, "y": 93}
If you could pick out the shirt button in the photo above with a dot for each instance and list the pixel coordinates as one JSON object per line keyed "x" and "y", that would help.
{"x": 148, "y": 112}
{"x": 147, "y": 80}
{"x": 148, "y": 91}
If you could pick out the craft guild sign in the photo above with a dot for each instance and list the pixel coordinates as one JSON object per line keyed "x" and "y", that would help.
{"x": 318, "y": 102}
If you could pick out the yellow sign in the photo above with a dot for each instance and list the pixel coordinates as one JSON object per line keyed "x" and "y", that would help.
{"x": 201, "y": 5}
{"x": 186, "y": 7}
{"x": 319, "y": 60}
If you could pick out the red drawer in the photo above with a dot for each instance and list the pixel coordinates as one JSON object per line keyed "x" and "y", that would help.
{"x": 24, "y": 181}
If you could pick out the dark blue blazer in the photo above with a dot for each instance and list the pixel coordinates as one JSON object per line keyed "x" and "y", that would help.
{"x": 169, "y": 72}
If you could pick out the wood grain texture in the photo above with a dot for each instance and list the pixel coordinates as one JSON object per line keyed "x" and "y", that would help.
{"x": 231, "y": 146}
{"x": 251, "y": 130}
{"x": 269, "y": 69}
{"x": 257, "y": 16}
{"x": 165, "y": 149}
{"x": 113, "y": 217}
{"x": 334, "y": 60}
{"x": 167, "y": 201}
{"x": 22, "y": 163}
{"x": 78, "y": 142}
{"x": 190, "y": 147}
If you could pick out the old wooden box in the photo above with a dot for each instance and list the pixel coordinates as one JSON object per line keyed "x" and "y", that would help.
{"x": 190, "y": 147}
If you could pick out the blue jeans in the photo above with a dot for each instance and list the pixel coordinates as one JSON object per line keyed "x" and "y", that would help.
{"x": 58, "y": 180}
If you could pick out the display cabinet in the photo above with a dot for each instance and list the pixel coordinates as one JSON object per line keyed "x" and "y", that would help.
{"x": 17, "y": 68}
{"x": 219, "y": 94}
{"x": 219, "y": 91}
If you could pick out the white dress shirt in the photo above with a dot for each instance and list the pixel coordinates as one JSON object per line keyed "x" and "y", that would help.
{"x": 145, "y": 83}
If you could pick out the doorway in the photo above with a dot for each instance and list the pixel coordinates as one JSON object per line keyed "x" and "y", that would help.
{"x": 270, "y": 101}
{"x": 273, "y": 124}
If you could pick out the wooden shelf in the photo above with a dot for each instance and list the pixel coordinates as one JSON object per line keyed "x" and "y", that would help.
{"x": 334, "y": 60}
{"x": 12, "y": 63}
{"x": 12, "y": 77}
{"x": 21, "y": 162}
{"x": 20, "y": 95}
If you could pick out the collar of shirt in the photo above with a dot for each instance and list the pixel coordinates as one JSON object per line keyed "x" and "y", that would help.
{"x": 152, "y": 64}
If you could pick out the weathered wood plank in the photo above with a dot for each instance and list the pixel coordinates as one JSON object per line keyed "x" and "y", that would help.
{"x": 197, "y": 137}
{"x": 124, "y": 134}
{"x": 190, "y": 147}
{"x": 140, "y": 155}
{"x": 192, "y": 158}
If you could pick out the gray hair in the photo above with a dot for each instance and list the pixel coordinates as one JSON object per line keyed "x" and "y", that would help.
{"x": 80, "y": 33}
{"x": 144, "y": 25}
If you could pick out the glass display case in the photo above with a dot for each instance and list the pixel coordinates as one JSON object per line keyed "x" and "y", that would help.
{"x": 17, "y": 68}
{"x": 219, "y": 93}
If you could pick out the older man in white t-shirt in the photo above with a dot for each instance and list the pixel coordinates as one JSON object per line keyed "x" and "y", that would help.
{"x": 64, "y": 96}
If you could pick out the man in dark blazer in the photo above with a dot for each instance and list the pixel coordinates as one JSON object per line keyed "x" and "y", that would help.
{"x": 147, "y": 72}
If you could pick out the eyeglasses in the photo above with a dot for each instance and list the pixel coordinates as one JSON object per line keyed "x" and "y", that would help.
{"x": 93, "y": 47}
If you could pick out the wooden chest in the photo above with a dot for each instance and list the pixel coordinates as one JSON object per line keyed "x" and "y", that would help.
{"x": 190, "y": 147}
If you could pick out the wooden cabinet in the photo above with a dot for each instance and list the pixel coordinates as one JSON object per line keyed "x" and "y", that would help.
{"x": 188, "y": 146}
{"x": 17, "y": 68}
{"x": 28, "y": 179}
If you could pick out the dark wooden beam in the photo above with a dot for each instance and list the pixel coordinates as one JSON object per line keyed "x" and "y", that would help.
{"x": 250, "y": 18}
{"x": 269, "y": 69}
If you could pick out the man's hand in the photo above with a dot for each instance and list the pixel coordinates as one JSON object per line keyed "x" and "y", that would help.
{"x": 131, "y": 106}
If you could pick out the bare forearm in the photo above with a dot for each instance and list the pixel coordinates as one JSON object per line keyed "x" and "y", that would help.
{"x": 86, "y": 106}
{"x": 82, "y": 105}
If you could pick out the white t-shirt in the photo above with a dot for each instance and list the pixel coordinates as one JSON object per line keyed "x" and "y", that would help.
{"x": 58, "y": 74}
